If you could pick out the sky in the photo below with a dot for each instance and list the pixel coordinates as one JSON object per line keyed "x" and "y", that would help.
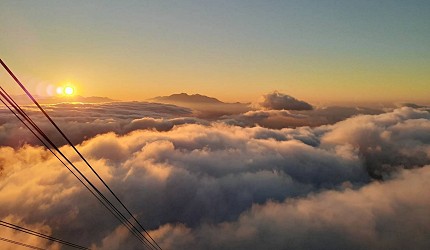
{"x": 319, "y": 51}
{"x": 329, "y": 147}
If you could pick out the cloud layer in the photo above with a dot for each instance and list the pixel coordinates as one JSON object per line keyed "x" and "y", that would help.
{"x": 82, "y": 121}
{"x": 215, "y": 185}
{"x": 392, "y": 215}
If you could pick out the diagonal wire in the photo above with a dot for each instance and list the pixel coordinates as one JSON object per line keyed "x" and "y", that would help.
{"x": 76, "y": 150}
{"x": 71, "y": 144}
{"x": 31, "y": 232}
{"x": 92, "y": 192}
{"x": 106, "y": 202}
{"x": 115, "y": 213}
{"x": 20, "y": 243}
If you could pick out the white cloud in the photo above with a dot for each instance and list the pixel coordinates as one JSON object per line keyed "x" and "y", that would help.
{"x": 202, "y": 185}
{"x": 389, "y": 215}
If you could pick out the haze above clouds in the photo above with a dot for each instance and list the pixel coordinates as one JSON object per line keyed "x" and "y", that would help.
{"x": 326, "y": 178}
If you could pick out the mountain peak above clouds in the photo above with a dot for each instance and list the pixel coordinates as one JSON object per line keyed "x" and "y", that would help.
{"x": 186, "y": 98}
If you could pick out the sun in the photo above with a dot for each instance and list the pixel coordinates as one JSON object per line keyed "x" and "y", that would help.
{"x": 69, "y": 90}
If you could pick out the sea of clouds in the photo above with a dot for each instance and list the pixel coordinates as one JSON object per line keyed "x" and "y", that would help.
{"x": 320, "y": 178}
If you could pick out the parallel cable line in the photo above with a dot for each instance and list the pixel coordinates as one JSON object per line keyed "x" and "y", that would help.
{"x": 106, "y": 202}
{"x": 119, "y": 215}
{"x": 20, "y": 243}
{"x": 44, "y": 236}
{"x": 76, "y": 150}
{"x": 111, "y": 207}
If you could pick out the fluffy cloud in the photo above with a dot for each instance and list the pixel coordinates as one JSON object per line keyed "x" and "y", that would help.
{"x": 399, "y": 139}
{"x": 278, "y": 119}
{"x": 82, "y": 121}
{"x": 390, "y": 215}
{"x": 279, "y": 101}
{"x": 267, "y": 118}
{"x": 200, "y": 185}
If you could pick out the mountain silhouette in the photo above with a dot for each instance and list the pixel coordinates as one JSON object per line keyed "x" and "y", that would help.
{"x": 186, "y": 98}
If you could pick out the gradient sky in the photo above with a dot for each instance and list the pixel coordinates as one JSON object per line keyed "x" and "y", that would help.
{"x": 319, "y": 51}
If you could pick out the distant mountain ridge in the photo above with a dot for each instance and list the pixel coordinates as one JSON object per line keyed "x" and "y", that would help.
{"x": 23, "y": 99}
{"x": 186, "y": 98}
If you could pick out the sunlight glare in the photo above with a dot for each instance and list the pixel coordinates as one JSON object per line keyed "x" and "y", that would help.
{"x": 69, "y": 90}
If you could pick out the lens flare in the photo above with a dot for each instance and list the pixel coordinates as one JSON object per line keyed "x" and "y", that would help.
{"x": 60, "y": 90}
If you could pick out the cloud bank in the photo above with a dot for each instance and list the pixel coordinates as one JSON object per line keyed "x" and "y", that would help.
{"x": 391, "y": 215}
{"x": 216, "y": 185}
{"x": 82, "y": 121}
{"x": 278, "y": 119}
